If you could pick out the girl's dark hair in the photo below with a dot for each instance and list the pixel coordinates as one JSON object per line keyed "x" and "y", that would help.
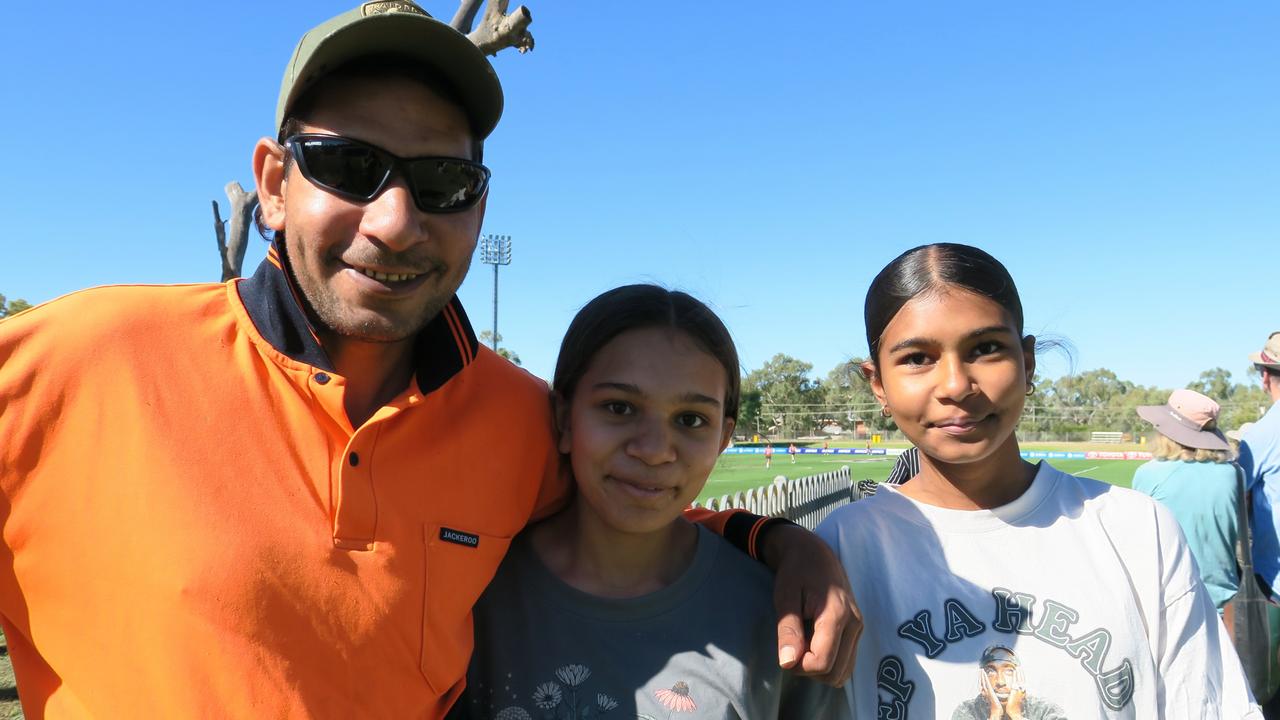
{"x": 930, "y": 268}
{"x": 633, "y": 307}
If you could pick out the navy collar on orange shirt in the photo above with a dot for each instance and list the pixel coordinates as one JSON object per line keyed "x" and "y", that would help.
{"x": 442, "y": 349}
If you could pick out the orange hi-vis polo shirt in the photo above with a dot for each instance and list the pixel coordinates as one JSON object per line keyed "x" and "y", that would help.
{"x": 192, "y": 527}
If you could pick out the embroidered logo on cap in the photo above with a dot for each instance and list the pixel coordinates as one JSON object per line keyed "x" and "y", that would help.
{"x": 391, "y": 6}
{"x": 457, "y": 537}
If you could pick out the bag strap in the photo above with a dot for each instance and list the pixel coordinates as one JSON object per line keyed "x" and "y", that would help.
{"x": 1244, "y": 535}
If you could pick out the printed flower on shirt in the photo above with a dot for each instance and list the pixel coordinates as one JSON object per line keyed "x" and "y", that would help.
{"x": 573, "y": 675}
{"x": 677, "y": 698}
{"x": 547, "y": 695}
{"x": 567, "y": 700}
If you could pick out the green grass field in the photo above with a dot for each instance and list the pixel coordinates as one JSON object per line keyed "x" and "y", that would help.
{"x": 736, "y": 473}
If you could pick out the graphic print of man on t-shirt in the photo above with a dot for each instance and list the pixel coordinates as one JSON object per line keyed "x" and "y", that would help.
{"x": 1002, "y": 692}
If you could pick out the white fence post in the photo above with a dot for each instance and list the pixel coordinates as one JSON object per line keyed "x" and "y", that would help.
{"x": 805, "y": 501}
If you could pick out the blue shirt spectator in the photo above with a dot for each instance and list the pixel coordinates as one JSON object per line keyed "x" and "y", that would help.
{"x": 1192, "y": 475}
{"x": 1203, "y": 497}
{"x": 1260, "y": 458}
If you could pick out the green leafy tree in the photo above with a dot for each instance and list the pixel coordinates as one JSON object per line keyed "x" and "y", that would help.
{"x": 1247, "y": 402}
{"x": 1095, "y": 400}
{"x": 748, "y": 411}
{"x": 1122, "y": 413}
{"x": 1241, "y": 402}
{"x": 1078, "y": 403}
{"x": 486, "y": 338}
{"x": 847, "y": 392}
{"x": 786, "y": 396}
{"x": 1091, "y": 389}
{"x": 1215, "y": 383}
{"x": 12, "y": 307}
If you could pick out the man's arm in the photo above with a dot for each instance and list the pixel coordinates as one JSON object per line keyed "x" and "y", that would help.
{"x": 810, "y": 590}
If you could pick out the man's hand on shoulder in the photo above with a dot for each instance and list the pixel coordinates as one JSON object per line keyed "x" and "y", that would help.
{"x": 818, "y": 621}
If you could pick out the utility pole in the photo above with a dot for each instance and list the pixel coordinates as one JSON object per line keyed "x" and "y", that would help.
{"x": 495, "y": 250}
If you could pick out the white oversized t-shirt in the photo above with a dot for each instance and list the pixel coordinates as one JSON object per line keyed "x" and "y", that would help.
{"x": 1090, "y": 587}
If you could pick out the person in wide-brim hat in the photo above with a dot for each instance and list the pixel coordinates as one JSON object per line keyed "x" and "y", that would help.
{"x": 1269, "y": 357}
{"x": 1188, "y": 419}
{"x": 1192, "y": 475}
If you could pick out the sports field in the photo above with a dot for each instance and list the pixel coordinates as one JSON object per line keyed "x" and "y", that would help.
{"x": 735, "y": 473}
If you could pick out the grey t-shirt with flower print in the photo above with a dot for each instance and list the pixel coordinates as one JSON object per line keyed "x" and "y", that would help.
{"x": 703, "y": 647}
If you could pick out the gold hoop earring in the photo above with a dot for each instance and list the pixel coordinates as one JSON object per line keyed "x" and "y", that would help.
{"x": 1031, "y": 389}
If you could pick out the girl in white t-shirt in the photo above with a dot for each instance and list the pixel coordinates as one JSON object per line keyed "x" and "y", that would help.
{"x": 991, "y": 587}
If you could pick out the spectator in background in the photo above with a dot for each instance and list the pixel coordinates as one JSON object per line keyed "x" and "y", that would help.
{"x": 1260, "y": 458}
{"x": 1192, "y": 474}
{"x": 1235, "y": 435}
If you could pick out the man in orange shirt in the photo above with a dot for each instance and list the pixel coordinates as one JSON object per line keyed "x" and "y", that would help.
{"x": 278, "y": 497}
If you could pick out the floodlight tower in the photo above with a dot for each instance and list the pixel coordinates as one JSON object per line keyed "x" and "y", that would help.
{"x": 495, "y": 250}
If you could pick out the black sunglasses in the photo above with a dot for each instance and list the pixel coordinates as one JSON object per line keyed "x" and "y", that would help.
{"x": 359, "y": 171}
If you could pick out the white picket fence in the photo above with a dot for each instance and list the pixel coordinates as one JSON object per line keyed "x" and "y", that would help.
{"x": 805, "y": 501}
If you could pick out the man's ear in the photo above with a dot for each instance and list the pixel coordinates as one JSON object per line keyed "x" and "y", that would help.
{"x": 560, "y": 408}
{"x": 268, "y": 173}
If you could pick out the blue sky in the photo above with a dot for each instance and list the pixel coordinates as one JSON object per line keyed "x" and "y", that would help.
{"x": 1122, "y": 159}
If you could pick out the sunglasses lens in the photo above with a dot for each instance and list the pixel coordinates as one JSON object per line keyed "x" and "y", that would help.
{"x": 343, "y": 166}
{"x": 446, "y": 185}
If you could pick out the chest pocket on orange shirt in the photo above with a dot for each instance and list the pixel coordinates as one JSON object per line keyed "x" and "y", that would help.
{"x": 460, "y": 563}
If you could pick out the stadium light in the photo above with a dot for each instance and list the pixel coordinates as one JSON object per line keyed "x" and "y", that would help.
{"x": 495, "y": 250}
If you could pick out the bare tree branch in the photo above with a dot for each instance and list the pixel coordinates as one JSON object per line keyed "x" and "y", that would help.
{"x": 220, "y": 231}
{"x": 500, "y": 30}
{"x": 243, "y": 203}
{"x": 466, "y": 15}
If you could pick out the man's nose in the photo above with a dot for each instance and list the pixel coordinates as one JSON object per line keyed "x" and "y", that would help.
{"x": 392, "y": 218}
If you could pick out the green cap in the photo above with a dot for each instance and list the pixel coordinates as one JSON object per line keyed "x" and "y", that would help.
{"x": 396, "y": 27}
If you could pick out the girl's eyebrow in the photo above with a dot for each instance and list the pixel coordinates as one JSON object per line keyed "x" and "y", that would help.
{"x": 689, "y": 397}
{"x": 990, "y": 329}
{"x": 912, "y": 342}
{"x": 623, "y": 387}
{"x": 700, "y": 399}
{"x": 919, "y": 341}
